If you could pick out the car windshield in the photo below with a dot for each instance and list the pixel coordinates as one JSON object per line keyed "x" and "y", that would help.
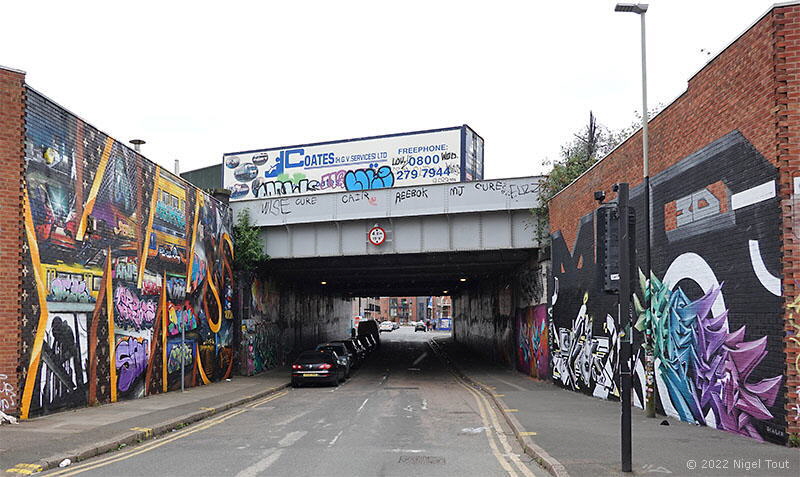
{"x": 349, "y": 346}
{"x": 335, "y": 349}
{"x": 314, "y": 357}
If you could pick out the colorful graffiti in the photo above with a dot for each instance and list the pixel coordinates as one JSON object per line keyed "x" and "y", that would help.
{"x": 366, "y": 179}
{"x": 702, "y": 368}
{"x": 716, "y": 326}
{"x": 533, "y": 351}
{"x": 131, "y": 362}
{"x": 107, "y": 278}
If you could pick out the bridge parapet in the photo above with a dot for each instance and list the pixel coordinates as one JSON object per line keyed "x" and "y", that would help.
{"x": 436, "y": 199}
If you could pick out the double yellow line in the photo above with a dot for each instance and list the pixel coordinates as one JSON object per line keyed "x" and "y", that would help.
{"x": 494, "y": 431}
{"x": 160, "y": 442}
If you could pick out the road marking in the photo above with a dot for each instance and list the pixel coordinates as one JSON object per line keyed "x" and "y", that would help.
{"x": 500, "y": 459}
{"x": 526, "y": 433}
{"x": 420, "y": 358}
{"x": 333, "y": 441}
{"x": 261, "y": 465}
{"x": 414, "y": 451}
{"x": 148, "y": 432}
{"x": 211, "y": 409}
{"x": 102, "y": 462}
{"x": 424, "y": 405}
{"x": 362, "y": 405}
{"x": 25, "y": 469}
{"x": 291, "y": 438}
{"x": 510, "y": 410}
{"x": 497, "y": 431}
{"x": 500, "y": 395}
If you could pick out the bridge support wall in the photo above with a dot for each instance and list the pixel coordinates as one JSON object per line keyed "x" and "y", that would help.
{"x": 495, "y": 317}
{"x": 280, "y": 320}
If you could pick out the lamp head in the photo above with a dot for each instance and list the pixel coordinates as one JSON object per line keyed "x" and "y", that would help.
{"x": 637, "y": 8}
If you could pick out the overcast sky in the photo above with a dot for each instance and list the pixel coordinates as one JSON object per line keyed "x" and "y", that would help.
{"x": 198, "y": 79}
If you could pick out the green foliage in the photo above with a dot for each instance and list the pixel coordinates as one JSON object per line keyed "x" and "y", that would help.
{"x": 591, "y": 144}
{"x": 246, "y": 244}
{"x": 794, "y": 440}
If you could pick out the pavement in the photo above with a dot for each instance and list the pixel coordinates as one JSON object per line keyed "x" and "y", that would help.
{"x": 574, "y": 434}
{"x": 44, "y": 442}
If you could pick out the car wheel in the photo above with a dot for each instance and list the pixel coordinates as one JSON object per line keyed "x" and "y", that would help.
{"x": 295, "y": 384}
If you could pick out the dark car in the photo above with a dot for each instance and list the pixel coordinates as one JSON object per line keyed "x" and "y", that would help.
{"x": 342, "y": 354}
{"x": 357, "y": 353}
{"x": 317, "y": 367}
{"x": 420, "y": 327}
{"x": 367, "y": 343}
{"x": 370, "y": 328}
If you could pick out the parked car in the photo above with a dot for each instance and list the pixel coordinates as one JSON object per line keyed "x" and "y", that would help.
{"x": 420, "y": 326}
{"x": 344, "y": 357}
{"x": 386, "y": 326}
{"x": 317, "y": 367}
{"x": 370, "y": 328}
{"x": 395, "y": 325}
{"x": 357, "y": 352}
{"x": 367, "y": 342}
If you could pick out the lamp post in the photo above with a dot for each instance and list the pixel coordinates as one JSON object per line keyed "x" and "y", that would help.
{"x": 650, "y": 408}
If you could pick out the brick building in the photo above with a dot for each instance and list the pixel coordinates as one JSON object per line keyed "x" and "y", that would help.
{"x": 725, "y": 202}
{"x": 104, "y": 257}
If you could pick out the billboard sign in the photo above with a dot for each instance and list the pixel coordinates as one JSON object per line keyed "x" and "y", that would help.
{"x": 407, "y": 159}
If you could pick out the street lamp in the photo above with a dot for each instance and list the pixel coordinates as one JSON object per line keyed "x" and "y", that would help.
{"x": 640, "y": 9}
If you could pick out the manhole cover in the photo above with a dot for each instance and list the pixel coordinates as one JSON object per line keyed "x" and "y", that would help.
{"x": 421, "y": 459}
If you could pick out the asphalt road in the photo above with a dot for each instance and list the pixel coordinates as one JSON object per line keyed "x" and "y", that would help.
{"x": 401, "y": 414}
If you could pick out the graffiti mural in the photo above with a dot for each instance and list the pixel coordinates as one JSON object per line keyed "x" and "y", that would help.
{"x": 119, "y": 255}
{"x": 533, "y": 351}
{"x": 8, "y": 395}
{"x": 716, "y": 326}
{"x": 131, "y": 362}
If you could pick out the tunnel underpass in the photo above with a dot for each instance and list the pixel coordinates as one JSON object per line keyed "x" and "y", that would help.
{"x": 420, "y": 274}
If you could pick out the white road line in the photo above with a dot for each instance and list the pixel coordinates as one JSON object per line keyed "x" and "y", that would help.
{"x": 262, "y": 465}
{"x": 413, "y": 451}
{"x": 333, "y": 441}
{"x": 421, "y": 357}
{"x": 293, "y": 418}
{"x": 424, "y": 405}
{"x": 362, "y": 405}
{"x": 291, "y": 438}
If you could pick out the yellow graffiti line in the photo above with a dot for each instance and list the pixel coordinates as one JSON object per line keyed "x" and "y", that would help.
{"x": 190, "y": 257}
{"x": 227, "y": 239}
{"x": 112, "y": 366}
{"x": 36, "y": 350}
{"x": 149, "y": 230}
{"x": 214, "y": 328}
{"x": 200, "y": 364}
{"x": 98, "y": 179}
{"x": 163, "y": 331}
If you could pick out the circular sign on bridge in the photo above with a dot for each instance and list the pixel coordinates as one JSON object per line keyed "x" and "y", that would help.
{"x": 376, "y": 235}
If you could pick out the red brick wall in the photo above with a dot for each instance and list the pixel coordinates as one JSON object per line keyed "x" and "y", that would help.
{"x": 735, "y": 91}
{"x": 751, "y": 87}
{"x": 787, "y": 69}
{"x": 12, "y": 132}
